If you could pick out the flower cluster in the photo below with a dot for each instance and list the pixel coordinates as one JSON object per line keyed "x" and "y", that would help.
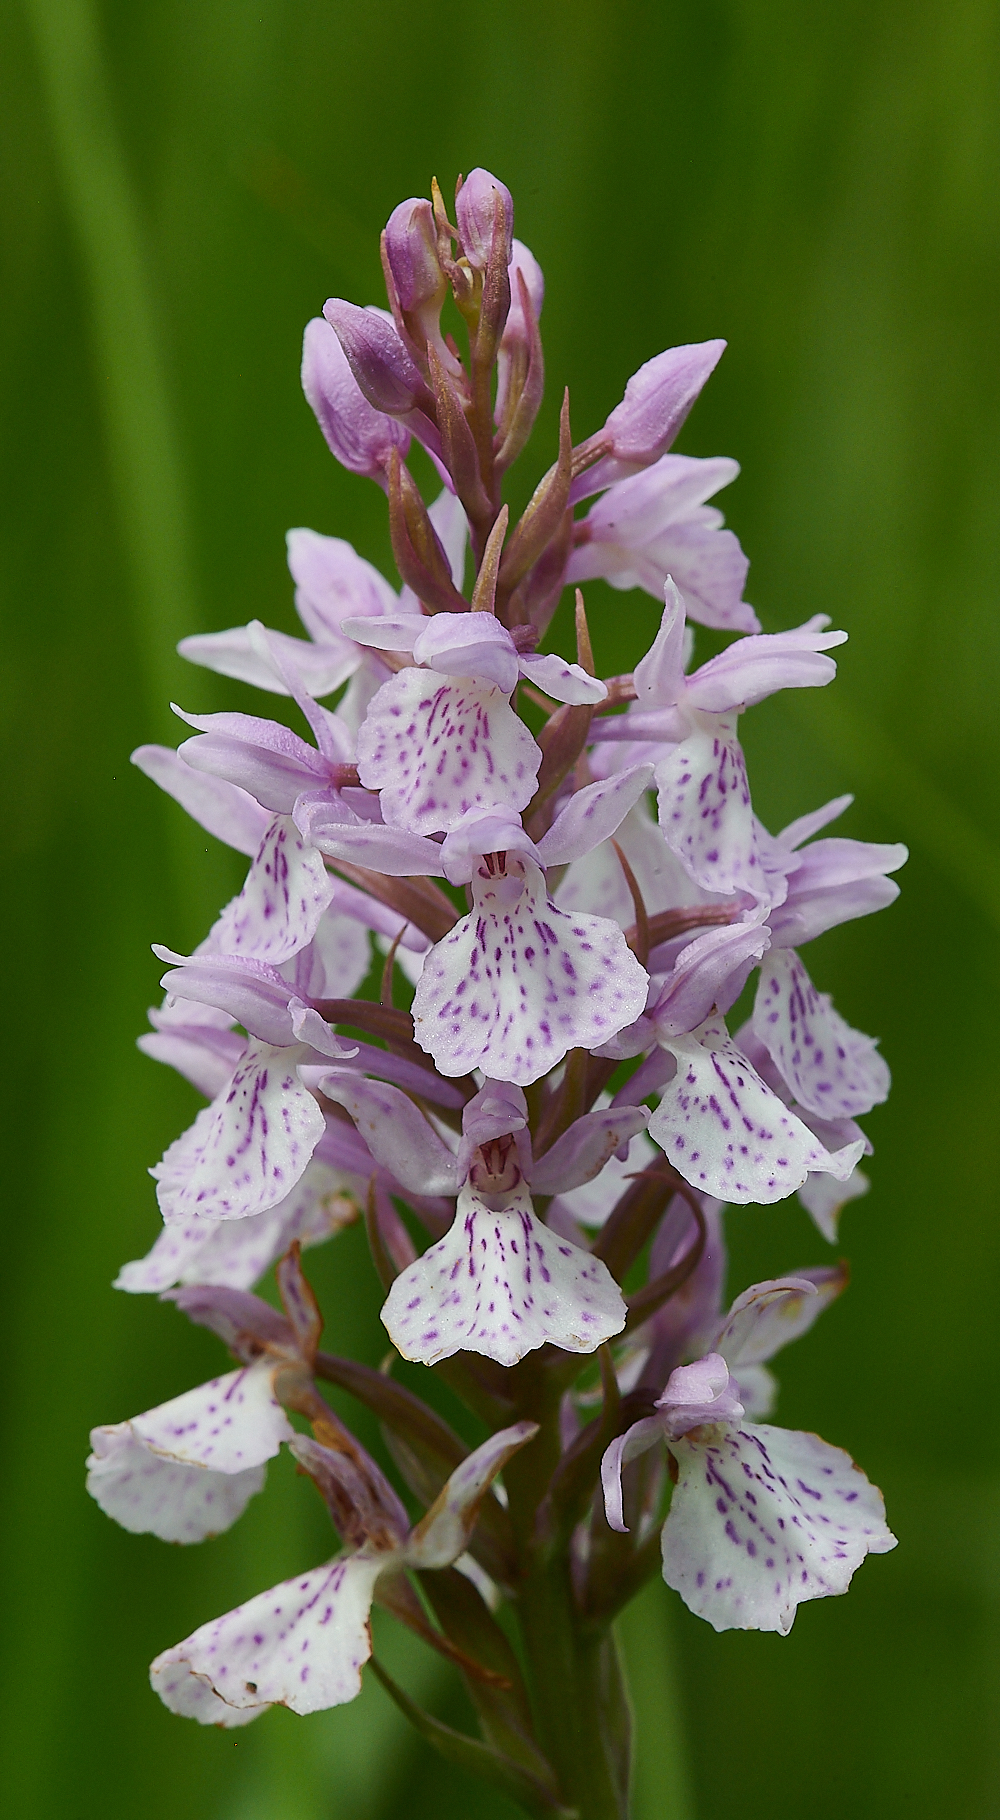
{"x": 543, "y": 1114}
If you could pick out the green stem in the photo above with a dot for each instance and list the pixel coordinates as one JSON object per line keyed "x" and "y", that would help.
{"x": 582, "y": 1713}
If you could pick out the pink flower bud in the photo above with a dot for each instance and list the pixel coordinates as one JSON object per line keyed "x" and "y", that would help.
{"x": 411, "y": 250}
{"x": 640, "y": 429}
{"x": 381, "y": 365}
{"x": 359, "y": 436}
{"x": 474, "y": 210}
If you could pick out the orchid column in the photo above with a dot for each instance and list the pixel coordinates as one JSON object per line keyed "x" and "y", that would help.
{"x": 542, "y": 1117}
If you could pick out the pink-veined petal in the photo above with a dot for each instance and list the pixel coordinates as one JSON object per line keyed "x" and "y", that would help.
{"x": 831, "y": 1069}
{"x": 518, "y": 982}
{"x": 763, "y": 1519}
{"x": 279, "y": 908}
{"x": 435, "y": 749}
{"x": 704, "y": 806}
{"x": 443, "y": 1534}
{"x": 246, "y": 1151}
{"x": 501, "y": 1284}
{"x": 302, "y": 1645}
{"x": 727, "y": 1133}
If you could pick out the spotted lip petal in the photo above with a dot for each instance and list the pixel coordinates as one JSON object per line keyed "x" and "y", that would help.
{"x": 764, "y": 1518}
{"x": 518, "y": 982}
{"x": 501, "y": 1284}
{"x": 246, "y": 1151}
{"x": 187, "y": 1469}
{"x": 727, "y": 1133}
{"x": 436, "y": 748}
{"x": 831, "y": 1069}
{"x": 301, "y": 1645}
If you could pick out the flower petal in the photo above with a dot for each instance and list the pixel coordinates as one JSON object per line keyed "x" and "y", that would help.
{"x": 582, "y": 1152}
{"x": 501, "y": 1284}
{"x": 279, "y": 908}
{"x": 831, "y": 1069}
{"x": 186, "y": 1470}
{"x": 764, "y": 1519}
{"x": 301, "y": 1645}
{"x": 518, "y": 982}
{"x": 237, "y": 653}
{"x": 436, "y": 749}
{"x": 236, "y": 1253}
{"x": 443, "y": 1534}
{"x": 591, "y": 1203}
{"x": 824, "y": 1199}
{"x": 561, "y": 680}
{"x": 727, "y": 1133}
{"x": 704, "y": 806}
{"x": 770, "y": 1315}
{"x": 223, "y": 809}
{"x": 592, "y": 815}
{"x": 246, "y": 1151}
{"x": 396, "y": 1133}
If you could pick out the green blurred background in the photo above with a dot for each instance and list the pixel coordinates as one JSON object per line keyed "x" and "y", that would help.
{"x": 181, "y": 186}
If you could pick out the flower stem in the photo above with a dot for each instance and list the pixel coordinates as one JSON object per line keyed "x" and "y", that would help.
{"x": 582, "y": 1711}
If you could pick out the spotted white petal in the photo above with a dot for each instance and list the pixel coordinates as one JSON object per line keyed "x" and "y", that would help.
{"x": 727, "y": 1133}
{"x": 704, "y": 806}
{"x": 831, "y": 1069}
{"x": 246, "y": 1151}
{"x": 501, "y": 1283}
{"x": 518, "y": 982}
{"x": 187, "y": 1469}
{"x": 302, "y": 1645}
{"x": 764, "y": 1518}
{"x": 236, "y": 1253}
{"x": 435, "y": 749}
{"x": 279, "y": 908}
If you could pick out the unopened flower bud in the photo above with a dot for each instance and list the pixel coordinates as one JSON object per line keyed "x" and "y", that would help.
{"x": 358, "y": 435}
{"x": 519, "y": 361}
{"x": 657, "y": 399}
{"x": 387, "y": 375}
{"x": 475, "y": 206}
{"x": 411, "y": 251}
